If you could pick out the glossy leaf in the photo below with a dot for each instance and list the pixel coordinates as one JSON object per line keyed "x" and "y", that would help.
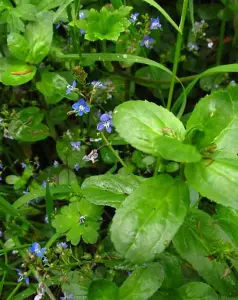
{"x": 217, "y": 116}
{"x": 197, "y": 290}
{"x": 143, "y": 282}
{"x": 196, "y": 241}
{"x": 154, "y": 130}
{"x": 39, "y": 35}
{"x": 18, "y": 45}
{"x": 108, "y": 189}
{"x": 103, "y": 290}
{"x": 216, "y": 178}
{"x": 148, "y": 219}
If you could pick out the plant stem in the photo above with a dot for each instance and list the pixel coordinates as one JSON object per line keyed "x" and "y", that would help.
{"x": 157, "y": 164}
{"x": 15, "y": 290}
{"x": 113, "y": 151}
{"x": 52, "y": 240}
{"x": 221, "y": 38}
{"x": 177, "y": 53}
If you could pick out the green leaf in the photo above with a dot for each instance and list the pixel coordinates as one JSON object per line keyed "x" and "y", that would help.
{"x": 49, "y": 202}
{"x": 103, "y": 290}
{"x": 216, "y": 178}
{"x": 15, "y": 72}
{"x": 143, "y": 282}
{"x": 27, "y": 11}
{"x": 48, "y": 5}
{"x": 11, "y": 179}
{"x": 108, "y": 189}
{"x": 227, "y": 219}
{"x": 172, "y": 270}
{"x": 58, "y": 114}
{"x": 68, "y": 222}
{"x": 149, "y": 218}
{"x": 107, "y": 24}
{"x": 154, "y": 130}
{"x": 116, "y": 3}
{"x": 197, "y": 290}
{"x": 39, "y": 35}
{"x": 217, "y": 116}
{"x": 196, "y": 241}
{"x": 28, "y": 133}
{"x": 18, "y": 45}
{"x": 164, "y": 13}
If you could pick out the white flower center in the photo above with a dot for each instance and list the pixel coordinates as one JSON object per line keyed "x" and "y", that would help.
{"x": 106, "y": 124}
{"x": 81, "y": 107}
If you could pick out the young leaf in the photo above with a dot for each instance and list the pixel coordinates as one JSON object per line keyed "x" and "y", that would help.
{"x": 216, "y": 178}
{"x": 148, "y": 219}
{"x": 143, "y": 282}
{"x": 18, "y": 45}
{"x": 154, "y": 130}
{"x": 79, "y": 219}
{"x": 108, "y": 189}
{"x": 198, "y": 241}
{"x": 39, "y": 35}
{"x": 197, "y": 290}
{"x": 103, "y": 290}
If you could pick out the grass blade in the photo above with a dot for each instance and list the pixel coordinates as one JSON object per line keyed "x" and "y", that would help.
{"x": 48, "y": 202}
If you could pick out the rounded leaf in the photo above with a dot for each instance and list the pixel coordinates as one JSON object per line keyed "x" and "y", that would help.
{"x": 148, "y": 219}
{"x": 197, "y": 290}
{"x": 18, "y": 45}
{"x": 103, "y": 290}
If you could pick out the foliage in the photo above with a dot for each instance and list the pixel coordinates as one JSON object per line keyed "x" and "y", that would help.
{"x": 118, "y": 150}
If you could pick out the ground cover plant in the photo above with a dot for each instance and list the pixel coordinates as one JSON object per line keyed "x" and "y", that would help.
{"x": 118, "y": 152}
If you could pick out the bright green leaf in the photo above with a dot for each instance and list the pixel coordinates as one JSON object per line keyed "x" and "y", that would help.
{"x": 154, "y": 130}
{"x": 103, "y": 290}
{"x": 18, "y": 45}
{"x": 143, "y": 282}
{"x": 148, "y": 219}
{"x": 197, "y": 290}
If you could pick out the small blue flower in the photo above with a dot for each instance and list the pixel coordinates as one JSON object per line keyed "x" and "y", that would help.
{"x": 1, "y": 166}
{"x": 69, "y": 297}
{"x": 56, "y": 164}
{"x": 81, "y": 15}
{"x": 147, "y": 42}
{"x": 155, "y": 24}
{"x": 23, "y": 165}
{"x": 37, "y": 250}
{"x": 43, "y": 184}
{"x": 70, "y": 88}
{"x": 105, "y": 123}
{"x": 76, "y": 167}
{"x": 134, "y": 17}
{"x": 98, "y": 84}
{"x": 192, "y": 47}
{"x": 81, "y": 107}
{"x": 22, "y": 276}
{"x": 63, "y": 245}
{"x": 76, "y": 146}
{"x": 46, "y": 219}
{"x": 82, "y": 31}
{"x": 57, "y": 26}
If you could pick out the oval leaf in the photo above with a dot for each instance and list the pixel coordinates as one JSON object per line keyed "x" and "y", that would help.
{"x": 143, "y": 282}
{"x": 149, "y": 218}
{"x": 18, "y": 45}
{"x": 103, "y": 290}
{"x": 154, "y": 130}
{"x": 197, "y": 290}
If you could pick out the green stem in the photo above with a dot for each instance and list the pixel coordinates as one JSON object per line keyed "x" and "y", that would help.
{"x": 15, "y": 290}
{"x": 177, "y": 53}
{"x": 113, "y": 151}
{"x": 157, "y": 164}
{"x": 52, "y": 240}
{"x": 221, "y": 38}
{"x": 72, "y": 31}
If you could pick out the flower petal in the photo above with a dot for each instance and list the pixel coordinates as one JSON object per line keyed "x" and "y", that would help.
{"x": 100, "y": 126}
{"x": 104, "y": 118}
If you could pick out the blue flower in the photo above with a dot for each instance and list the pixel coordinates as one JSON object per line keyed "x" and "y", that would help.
{"x": 155, "y": 24}
{"x": 81, "y": 15}
{"x": 76, "y": 167}
{"x": 76, "y": 146}
{"x": 37, "y": 250}
{"x": 134, "y": 17}
{"x": 82, "y": 31}
{"x": 105, "y": 123}
{"x": 23, "y": 165}
{"x": 81, "y": 107}
{"x": 63, "y": 245}
{"x": 46, "y": 219}
{"x": 70, "y": 88}
{"x": 57, "y": 26}
{"x": 22, "y": 276}
{"x": 98, "y": 84}
{"x": 69, "y": 297}
{"x": 147, "y": 42}
{"x": 56, "y": 164}
{"x": 43, "y": 184}
{"x": 192, "y": 47}
{"x": 1, "y": 166}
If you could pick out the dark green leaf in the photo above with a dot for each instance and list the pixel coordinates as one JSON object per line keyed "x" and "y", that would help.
{"x": 197, "y": 290}
{"x": 103, "y": 290}
{"x": 148, "y": 219}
